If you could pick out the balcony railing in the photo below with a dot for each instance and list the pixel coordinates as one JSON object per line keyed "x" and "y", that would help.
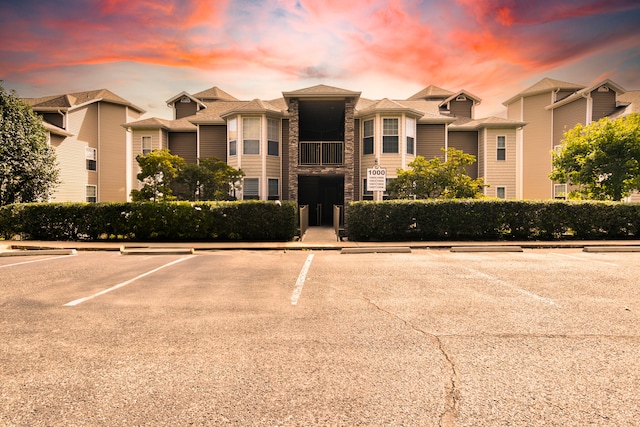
{"x": 321, "y": 152}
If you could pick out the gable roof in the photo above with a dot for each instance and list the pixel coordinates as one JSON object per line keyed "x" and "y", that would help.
{"x": 543, "y": 86}
{"x": 181, "y": 95}
{"x": 321, "y": 91}
{"x": 464, "y": 93}
{"x": 431, "y": 92}
{"x": 585, "y": 93}
{"x": 214, "y": 93}
{"x": 255, "y": 106}
{"x": 180, "y": 125}
{"x": 71, "y": 101}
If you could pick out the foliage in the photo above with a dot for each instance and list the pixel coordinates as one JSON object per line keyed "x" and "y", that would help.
{"x": 601, "y": 159}
{"x": 484, "y": 219}
{"x": 437, "y": 178}
{"x": 158, "y": 169}
{"x": 165, "y": 221}
{"x": 210, "y": 179}
{"x": 28, "y": 169}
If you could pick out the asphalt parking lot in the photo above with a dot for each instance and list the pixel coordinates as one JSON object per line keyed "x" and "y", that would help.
{"x": 544, "y": 337}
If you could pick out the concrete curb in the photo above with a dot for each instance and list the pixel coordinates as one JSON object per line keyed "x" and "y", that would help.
{"x": 611, "y": 249}
{"x": 487, "y": 249}
{"x": 156, "y": 251}
{"x": 377, "y": 250}
{"x": 36, "y": 252}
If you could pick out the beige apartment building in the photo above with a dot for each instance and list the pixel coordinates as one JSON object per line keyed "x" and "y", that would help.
{"x": 92, "y": 147}
{"x": 315, "y": 145}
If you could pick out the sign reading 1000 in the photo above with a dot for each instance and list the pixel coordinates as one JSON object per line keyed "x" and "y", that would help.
{"x": 376, "y": 179}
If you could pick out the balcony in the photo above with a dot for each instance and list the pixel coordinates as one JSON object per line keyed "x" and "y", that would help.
{"x": 321, "y": 153}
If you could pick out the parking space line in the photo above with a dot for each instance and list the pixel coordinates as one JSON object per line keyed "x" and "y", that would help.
{"x": 297, "y": 290}
{"x": 512, "y": 286}
{"x": 120, "y": 285}
{"x": 37, "y": 260}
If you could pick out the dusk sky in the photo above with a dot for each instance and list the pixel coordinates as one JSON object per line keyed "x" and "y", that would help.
{"x": 147, "y": 51}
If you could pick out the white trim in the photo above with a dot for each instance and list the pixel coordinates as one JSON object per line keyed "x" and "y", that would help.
{"x": 504, "y": 187}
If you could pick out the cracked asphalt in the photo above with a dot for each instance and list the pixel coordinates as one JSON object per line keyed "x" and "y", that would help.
{"x": 547, "y": 337}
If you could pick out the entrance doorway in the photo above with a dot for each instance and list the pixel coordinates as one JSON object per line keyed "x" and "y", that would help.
{"x": 321, "y": 192}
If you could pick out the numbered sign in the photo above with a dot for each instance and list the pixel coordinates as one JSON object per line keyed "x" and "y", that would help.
{"x": 376, "y": 179}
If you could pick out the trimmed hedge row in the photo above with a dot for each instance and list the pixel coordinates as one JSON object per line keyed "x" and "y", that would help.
{"x": 405, "y": 220}
{"x": 173, "y": 221}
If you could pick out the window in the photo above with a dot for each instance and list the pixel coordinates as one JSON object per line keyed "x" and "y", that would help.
{"x": 389, "y": 135}
{"x": 501, "y": 192}
{"x": 90, "y": 155}
{"x": 366, "y": 195}
{"x": 559, "y": 191}
{"x": 185, "y": 100}
{"x": 146, "y": 145}
{"x": 502, "y": 148}
{"x": 367, "y": 140}
{"x": 251, "y": 189}
{"x": 273, "y": 137}
{"x": 274, "y": 189}
{"x": 251, "y": 135}
{"x": 411, "y": 136}
{"x": 233, "y": 137}
{"x": 91, "y": 193}
{"x": 461, "y": 98}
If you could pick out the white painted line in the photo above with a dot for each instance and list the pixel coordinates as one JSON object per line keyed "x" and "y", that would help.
{"x": 37, "y": 260}
{"x": 512, "y": 286}
{"x": 120, "y": 285}
{"x": 584, "y": 259}
{"x": 297, "y": 290}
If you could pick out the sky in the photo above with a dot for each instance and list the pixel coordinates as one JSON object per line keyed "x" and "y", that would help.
{"x": 148, "y": 51}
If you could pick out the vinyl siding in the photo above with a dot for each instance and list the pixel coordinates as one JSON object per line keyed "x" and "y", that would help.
{"x": 185, "y": 110}
{"x": 84, "y": 124}
{"x": 273, "y": 167}
{"x": 213, "y": 142}
{"x": 566, "y": 117}
{"x": 183, "y": 144}
{"x": 501, "y": 173}
{"x": 112, "y": 154}
{"x": 537, "y": 146}
{"x": 481, "y": 156}
{"x": 70, "y": 155}
{"x": 429, "y": 141}
{"x": 514, "y": 110}
{"x": 467, "y": 142}
{"x": 461, "y": 108}
{"x": 604, "y": 103}
{"x": 284, "y": 182}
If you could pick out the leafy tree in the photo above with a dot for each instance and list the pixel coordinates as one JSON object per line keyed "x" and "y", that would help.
{"x": 601, "y": 159}
{"x": 28, "y": 169}
{"x": 158, "y": 170}
{"x": 437, "y": 178}
{"x": 211, "y": 179}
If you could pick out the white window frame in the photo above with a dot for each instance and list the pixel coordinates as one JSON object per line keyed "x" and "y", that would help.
{"x": 368, "y": 136}
{"x": 502, "y": 189}
{"x": 94, "y": 197}
{"x": 273, "y": 137}
{"x": 386, "y": 134}
{"x": 146, "y": 144}
{"x": 251, "y": 136}
{"x": 411, "y": 136}
{"x": 255, "y": 183}
{"x": 501, "y": 149}
{"x": 91, "y": 155}
{"x": 560, "y": 189}
{"x": 232, "y": 136}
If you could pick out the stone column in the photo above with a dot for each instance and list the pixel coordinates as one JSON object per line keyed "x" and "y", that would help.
{"x": 349, "y": 151}
{"x": 294, "y": 139}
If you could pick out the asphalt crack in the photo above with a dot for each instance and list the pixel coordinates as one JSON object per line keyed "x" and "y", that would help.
{"x": 452, "y": 395}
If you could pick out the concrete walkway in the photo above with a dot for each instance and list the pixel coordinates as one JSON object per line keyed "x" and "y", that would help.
{"x": 320, "y": 234}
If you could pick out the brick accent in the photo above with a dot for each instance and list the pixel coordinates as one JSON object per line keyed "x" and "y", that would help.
{"x": 294, "y": 139}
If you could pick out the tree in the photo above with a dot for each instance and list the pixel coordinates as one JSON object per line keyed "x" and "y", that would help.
{"x": 158, "y": 169}
{"x": 211, "y": 179}
{"x": 601, "y": 159}
{"x": 28, "y": 168}
{"x": 437, "y": 178}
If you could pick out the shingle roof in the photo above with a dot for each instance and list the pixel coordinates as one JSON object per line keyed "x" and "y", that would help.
{"x": 431, "y": 92}
{"x": 180, "y": 125}
{"x": 629, "y": 103}
{"x": 464, "y": 123}
{"x": 320, "y": 91}
{"x": 543, "y": 86}
{"x": 72, "y": 100}
{"x": 214, "y": 93}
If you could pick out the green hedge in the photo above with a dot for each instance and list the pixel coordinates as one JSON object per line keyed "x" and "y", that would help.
{"x": 174, "y": 221}
{"x": 405, "y": 220}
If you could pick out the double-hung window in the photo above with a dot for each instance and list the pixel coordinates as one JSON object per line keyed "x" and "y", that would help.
{"x": 367, "y": 137}
{"x": 501, "y": 151}
{"x": 146, "y": 145}
{"x": 233, "y": 137}
{"x": 91, "y": 158}
{"x": 274, "y": 189}
{"x": 91, "y": 193}
{"x": 251, "y": 135}
{"x": 390, "y": 135}
{"x": 273, "y": 137}
{"x": 411, "y": 136}
{"x": 251, "y": 189}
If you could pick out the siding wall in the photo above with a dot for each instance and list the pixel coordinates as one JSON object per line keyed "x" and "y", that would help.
{"x": 213, "y": 142}
{"x": 70, "y": 154}
{"x": 429, "y": 141}
{"x": 467, "y": 142}
{"x": 157, "y": 137}
{"x": 183, "y": 144}
{"x": 461, "y": 108}
{"x": 113, "y": 151}
{"x": 185, "y": 109}
{"x": 537, "y": 146}
{"x": 604, "y": 103}
{"x": 284, "y": 182}
{"x": 501, "y": 173}
{"x": 357, "y": 175}
{"x": 566, "y": 117}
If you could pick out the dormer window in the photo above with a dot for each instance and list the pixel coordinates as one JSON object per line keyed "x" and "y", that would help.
{"x": 185, "y": 100}
{"x": 603, "y": 89}
{"x": 461, "y": 98}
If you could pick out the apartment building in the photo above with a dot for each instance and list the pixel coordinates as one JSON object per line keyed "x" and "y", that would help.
{"x": 92, "y": 147}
